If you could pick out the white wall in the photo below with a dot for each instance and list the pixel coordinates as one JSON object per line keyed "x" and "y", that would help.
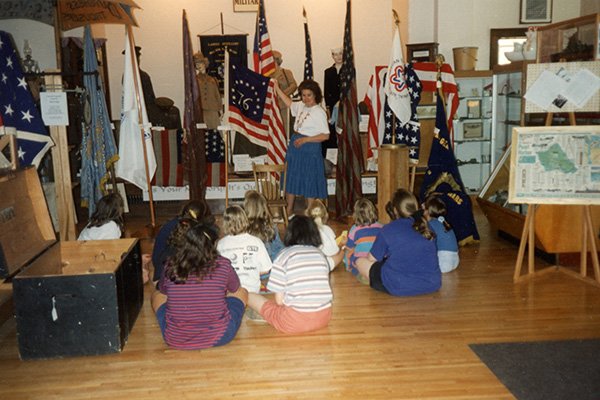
{"x": 466, "y": 23}
{"x": 461, "y": 23}
{"x": 160, "y": 35}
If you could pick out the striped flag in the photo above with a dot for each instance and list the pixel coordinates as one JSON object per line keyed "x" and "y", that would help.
{"x": 167, "y": 147}
{"x": 131, "y": 165}
{"x": 375, "y": 101}
{"x": 350, "y": 163}
{"x": 308, "y": 64}
{"x": 18, "y": 113}
{"x": 215, "y": 158}
{"x": 264, "y": 63}
{"x": 194, "y": 156}
{"x": 253, "y": 111}
{"x": 427, "y": 72}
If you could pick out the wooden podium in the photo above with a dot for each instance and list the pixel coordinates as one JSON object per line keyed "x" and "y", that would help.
{"x": 392, "y": 167}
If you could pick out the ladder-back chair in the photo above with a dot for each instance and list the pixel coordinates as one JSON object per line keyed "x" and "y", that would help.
{"x": 267, "y": 178}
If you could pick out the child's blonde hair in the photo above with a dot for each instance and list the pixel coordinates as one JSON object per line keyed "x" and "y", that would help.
{"x": 235, "y": 220}
{"x": 318, "y": 212}
{"x": 259, "y": 217}
{"x": 365, "y": 212}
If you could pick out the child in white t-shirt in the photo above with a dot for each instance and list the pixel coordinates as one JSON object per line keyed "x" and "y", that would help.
{"x": 318, "y": 212}
{"x": 247, "y": 253}
{"x": 107, "y": 221}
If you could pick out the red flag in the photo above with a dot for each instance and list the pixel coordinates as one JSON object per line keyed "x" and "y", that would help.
{"x": 349, "y": 167}
{"x": 264, "y": 63}
{"x": 427, "y": 73}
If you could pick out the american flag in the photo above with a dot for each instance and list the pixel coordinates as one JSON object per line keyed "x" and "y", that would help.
{"x": 194, "y": 156}
{"x": 427, "y": 72}
{"x": 308, "y": 64}
{"x": 408, "y": 133}
{"x": 215, "y": 158}
{"x": 18, "y": 112}
{"x": 254, "y": 112}
{"x": 262, "y": 54}
{"x": 350, "y": 163}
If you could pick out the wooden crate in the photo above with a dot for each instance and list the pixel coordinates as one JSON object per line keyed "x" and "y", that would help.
{"x": 70, "y": 298}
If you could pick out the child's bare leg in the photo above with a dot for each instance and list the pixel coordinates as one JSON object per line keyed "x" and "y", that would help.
{"x": 256, "y": 301}
{"x": 158, "y": 299}
{"x": 241, "y": 294}
{"x": 363, "y": 265}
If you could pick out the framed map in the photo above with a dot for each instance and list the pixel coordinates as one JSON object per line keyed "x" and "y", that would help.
{"x": 555, "y": 165}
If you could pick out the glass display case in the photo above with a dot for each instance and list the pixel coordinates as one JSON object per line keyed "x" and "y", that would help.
{"x": 570, "y": 40}
{"x": 473, "y": 127}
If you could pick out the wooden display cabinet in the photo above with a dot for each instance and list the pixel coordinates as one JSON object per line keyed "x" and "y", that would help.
{"x": 571, "y": 40}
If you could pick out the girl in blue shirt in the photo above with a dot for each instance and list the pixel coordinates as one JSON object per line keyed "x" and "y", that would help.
{"x": 403, "y": 260}
{"x": 445, "y": 239}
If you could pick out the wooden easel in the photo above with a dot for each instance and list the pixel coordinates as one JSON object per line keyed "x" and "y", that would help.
{"x": 528, "y": 239}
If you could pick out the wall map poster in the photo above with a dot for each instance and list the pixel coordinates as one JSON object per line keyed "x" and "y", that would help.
{"x": 555, "y": 165}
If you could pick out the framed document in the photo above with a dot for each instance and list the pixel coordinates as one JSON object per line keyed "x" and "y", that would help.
{"x": 473, "y": 108}
{"x": 472, "y": 130}
{"x": 534, "y": 11}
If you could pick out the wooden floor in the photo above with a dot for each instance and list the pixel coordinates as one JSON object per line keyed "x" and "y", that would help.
{"x": 376, "y": 346}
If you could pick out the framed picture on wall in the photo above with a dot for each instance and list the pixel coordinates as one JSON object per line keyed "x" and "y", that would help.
{"x": 473, "y": 108}
{"x": 472, "y": 130}
{"x": 534, "y": 11}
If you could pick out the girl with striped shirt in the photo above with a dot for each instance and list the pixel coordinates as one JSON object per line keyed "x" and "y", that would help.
{"x": 300, "y": 280}
{"x": 201, "y": 302}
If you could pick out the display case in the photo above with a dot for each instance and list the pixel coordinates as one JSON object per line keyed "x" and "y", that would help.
{"x": 473, "y": 127}
{"x": 570, "y": 40}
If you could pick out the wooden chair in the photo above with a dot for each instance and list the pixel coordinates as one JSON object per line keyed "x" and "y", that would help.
{"x": 267, "y": 178}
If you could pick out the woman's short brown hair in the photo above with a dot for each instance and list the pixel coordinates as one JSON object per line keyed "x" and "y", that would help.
{"x": 314, "y": 87}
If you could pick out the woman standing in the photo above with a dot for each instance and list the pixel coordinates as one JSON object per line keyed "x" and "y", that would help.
{"x": 305, "y": 169}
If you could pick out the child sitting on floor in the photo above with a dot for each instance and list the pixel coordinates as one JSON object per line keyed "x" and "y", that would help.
{"x": 362, "y": 234}
{"x": 261, "y": 223}
{"x": 447, "y": 247}
{"x": 247, "y": 253}
{"x": 107, "y": 221}
{"x": 318, "y": 212}
{"x": 197, "y": 278}
{"x": 300, "y": 281}
{"x": 195, "y": 210}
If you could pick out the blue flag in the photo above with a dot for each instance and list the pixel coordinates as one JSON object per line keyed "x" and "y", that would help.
{"x": 408, "y": 133}
{"x": 443, "y": 178}
{"x": 18, "y": 113}
{"x": 98, "y": 148}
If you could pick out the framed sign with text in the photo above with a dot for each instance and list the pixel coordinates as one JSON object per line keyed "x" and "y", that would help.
{"x": 213, "y": 47}
{"x": 245, "y": 5}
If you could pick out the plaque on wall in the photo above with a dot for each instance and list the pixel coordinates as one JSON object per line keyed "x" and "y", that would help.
{"x": 213, "y": 48}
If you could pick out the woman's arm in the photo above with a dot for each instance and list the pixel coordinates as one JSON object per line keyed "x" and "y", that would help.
{"x": 321, "y": 137}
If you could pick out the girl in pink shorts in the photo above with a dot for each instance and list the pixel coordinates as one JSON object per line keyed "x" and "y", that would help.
{"x": 300, "y": 280}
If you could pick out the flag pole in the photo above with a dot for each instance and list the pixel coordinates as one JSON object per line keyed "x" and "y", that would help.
{"x": 141, "y": 122}
{"x": 439, "y": 61}
{"x": 226, "y": 119}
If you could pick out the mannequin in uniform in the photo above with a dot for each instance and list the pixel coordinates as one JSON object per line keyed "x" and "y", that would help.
{"x": 287, "y": 84}
{"x": 212, "y": 105}
{"x": 332, "y": 95}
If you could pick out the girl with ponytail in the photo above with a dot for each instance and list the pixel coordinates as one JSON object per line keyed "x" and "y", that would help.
{"x": 403, "y": 260}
